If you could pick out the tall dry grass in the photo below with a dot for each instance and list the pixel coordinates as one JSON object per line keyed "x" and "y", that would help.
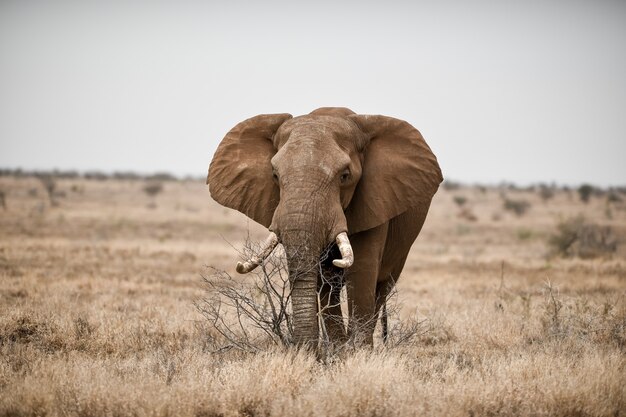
{"x": 97, "y": 315}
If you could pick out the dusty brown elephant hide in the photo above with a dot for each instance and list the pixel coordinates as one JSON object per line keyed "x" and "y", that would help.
{"x": 359, "y": 184}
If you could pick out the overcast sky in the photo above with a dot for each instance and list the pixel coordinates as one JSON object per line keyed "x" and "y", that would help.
{"x": 522, "y": 91}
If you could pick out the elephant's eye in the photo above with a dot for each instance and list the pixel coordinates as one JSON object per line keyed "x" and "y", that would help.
{"x": 275, "y": 175}
{"x": 345, "y": 176}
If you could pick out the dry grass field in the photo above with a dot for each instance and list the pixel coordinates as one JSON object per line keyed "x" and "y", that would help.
{"x": 97, "y": 312}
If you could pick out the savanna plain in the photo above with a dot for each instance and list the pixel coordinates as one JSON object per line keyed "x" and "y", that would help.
{"x": 515, "y": 300}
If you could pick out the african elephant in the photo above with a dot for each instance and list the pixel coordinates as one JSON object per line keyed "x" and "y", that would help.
{"x": 359, "y": 184}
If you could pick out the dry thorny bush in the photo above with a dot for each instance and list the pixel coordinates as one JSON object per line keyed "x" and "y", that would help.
{"x": 561, "y": 316}
{"x": 519, "y": 207}
{"x": 254, "y": 313}
{"x": 578, "y": 317}
{"x": 578, "y": 237}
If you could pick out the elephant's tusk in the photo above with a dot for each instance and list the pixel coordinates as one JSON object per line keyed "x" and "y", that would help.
{"x": 266, "y": 248}
{"x": 347, "y": 256}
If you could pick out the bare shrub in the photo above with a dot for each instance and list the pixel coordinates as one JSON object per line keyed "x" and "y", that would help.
{"x": 518, "y": 207}
{"x": 566, "y": 235}
{"x": 248, "y": 315}
{"x": 574, "y": 316}
{"x": 3, "y": 200}
{"x": 153, "y": 188}
{"x": 251, "y": 315}
{"x": 552, "y": 321}
{"x": 546, "y": 192}
{"x": 460, "y": 200}
{"x": 614, "y": 197}
{"x": 577, "y": 237}
{"x": 394, "y": 333}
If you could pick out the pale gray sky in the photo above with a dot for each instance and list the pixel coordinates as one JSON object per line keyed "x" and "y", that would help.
{"x": 522, "y": 91}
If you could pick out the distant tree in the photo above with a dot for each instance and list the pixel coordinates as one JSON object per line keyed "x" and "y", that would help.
{"x": 449, "y": 185}
{"x": 153, "y": 188}
{"x": 126, "y": 175}
{"x": 96, "y": 175}
{"x": 161, "y": 176}
{"x": 546, "y": 192}
{"x": 460, "y": 200}
{"x": 3, "y": 201}
{"x": 585, "y": 191}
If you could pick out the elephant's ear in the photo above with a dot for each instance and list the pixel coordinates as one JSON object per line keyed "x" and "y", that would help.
{"x": 240, "y": 174}
{"x": 399, "y": 172}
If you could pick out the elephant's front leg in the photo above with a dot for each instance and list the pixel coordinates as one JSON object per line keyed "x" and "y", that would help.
{"x": 361, "y": 280}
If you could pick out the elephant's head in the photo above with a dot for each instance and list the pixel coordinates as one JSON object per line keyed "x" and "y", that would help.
{"x": 314, "y": 180}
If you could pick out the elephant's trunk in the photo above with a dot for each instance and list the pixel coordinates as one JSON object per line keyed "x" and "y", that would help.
{"x": 303, "y": 254}
{"x": 306, "y": 223}
{"x": 305, "y": 310}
